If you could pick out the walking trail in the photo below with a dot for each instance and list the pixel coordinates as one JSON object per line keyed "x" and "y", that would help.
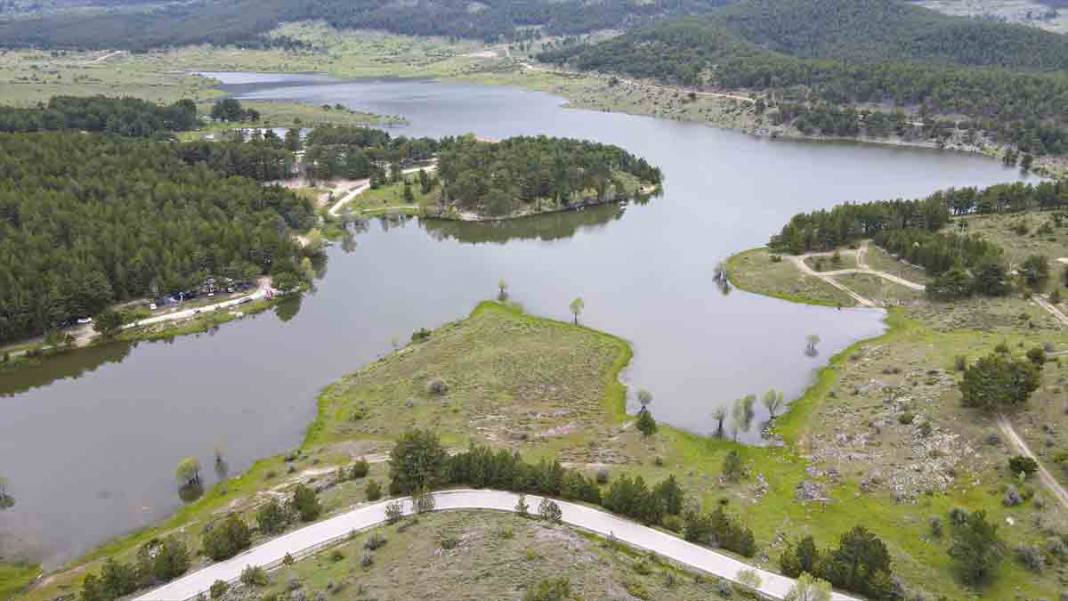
{"x": 365, "y": 185}
{"x": 862, "y": 267}
{"x": 1043, "y": 474}
{"x": 315, "y": 537}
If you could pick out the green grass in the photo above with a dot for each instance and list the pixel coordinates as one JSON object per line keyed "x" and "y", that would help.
{"x": 488, "y": 556}
{"x": 391, "y": 198}
{"x": 755, "y": 271}
{"x": 16, "y": 577}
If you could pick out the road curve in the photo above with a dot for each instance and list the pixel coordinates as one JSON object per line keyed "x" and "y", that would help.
{"x": 315, "y": 537}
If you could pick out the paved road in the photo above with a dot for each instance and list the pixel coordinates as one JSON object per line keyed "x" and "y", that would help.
{"x": 312, "y": 538}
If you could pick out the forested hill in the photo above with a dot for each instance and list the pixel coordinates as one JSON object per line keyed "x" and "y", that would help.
{"x": 816, "y": 56}
{"x": 889, "y": 30}
{"x": 530, "y": 174}
{"x": 87, "y": 220}
{"x": 245, "y": 21}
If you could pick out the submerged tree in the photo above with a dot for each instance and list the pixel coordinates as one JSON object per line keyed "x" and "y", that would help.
{"x": 742, "y": 414}
{"x": 188, "y": 476}
{"x": 810, "y": 345}
{"x": 719, "y": 414}
{"x": 773, "y": 401}
{"x": 502, "y": 290}
{"x": 6, "y": 500}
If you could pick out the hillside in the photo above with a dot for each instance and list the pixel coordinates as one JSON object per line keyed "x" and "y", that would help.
{"x": 246, "y": 21}
{"x": 817, "y": 63}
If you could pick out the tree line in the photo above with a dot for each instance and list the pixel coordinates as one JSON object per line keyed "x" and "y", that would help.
{"x": 123, "y": 116}
{"x": 501, "y": 178}
{"x": 90, "y": 220}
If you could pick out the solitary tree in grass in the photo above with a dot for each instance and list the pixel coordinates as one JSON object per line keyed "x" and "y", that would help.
{"x": 999, "y": 381}
{"x": 417, "y": 462}
{"x": 976, "y": 548}
{"x": 773, "y": 401}
{"x": 577, "y": 306}
{"x": 646, "y": 424}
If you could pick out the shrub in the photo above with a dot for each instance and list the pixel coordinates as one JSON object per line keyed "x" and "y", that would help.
{"x": 359, "y": 469}
{"x": 521, "y": 507}
{"x": 935, "y": 526}
{"x": 225, "y": 539}
{"x": 218, "y": 589}
{"x": 394, "y": 512}
{"x": 374, "y": 542}
{"x": 602, "y": 475}
{"x": 366, "y": 560}
{"x": 1021, "y": 464}
{"x": 960, "y": 363}
{"x": 423, "y": 502}
{"x": 749, "y": 579}
{"x": 733, "y": 467}
{"x": 976, "y": 548}
{"x": 906, "y": 418}
{"x": 305, "y": 503}
{"x": 254, "y": 576}
{"x": 549, "y": 589}
{"x": 549, "y": 511}
{"x": 1012, "y": 497}
{"x": 1037, "y": 355}
{"x": 163, "y": 560}
{"x": 373, "y": 490}
{"x": 449, "y": 542}
{"x": 1030, "y": 557}
{"x": 271, "y": 518}
{"x": 437, "y": 387}
{"x": 646, "y": 424}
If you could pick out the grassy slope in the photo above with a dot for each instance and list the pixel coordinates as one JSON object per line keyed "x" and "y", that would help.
{"x": 14, "y": 578}
{"x": 489, "y": 556}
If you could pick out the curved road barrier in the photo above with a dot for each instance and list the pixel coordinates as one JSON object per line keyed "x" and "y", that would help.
{"x": 315, "y": 537}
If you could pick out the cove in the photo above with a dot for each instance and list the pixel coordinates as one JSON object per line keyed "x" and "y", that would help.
{"x": 89, "y": 442}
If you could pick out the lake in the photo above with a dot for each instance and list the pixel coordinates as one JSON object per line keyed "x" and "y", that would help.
{"x": 89, "y": 441}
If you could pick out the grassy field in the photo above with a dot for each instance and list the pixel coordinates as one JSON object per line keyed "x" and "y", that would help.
{"x": 755, "y": 271}
{"x": 391, "y": 198}
{"x": 14, "y": 578}
{"x": 481, "y": 555}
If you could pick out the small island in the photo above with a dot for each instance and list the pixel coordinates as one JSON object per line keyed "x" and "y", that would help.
{"x": 467, "y": 178}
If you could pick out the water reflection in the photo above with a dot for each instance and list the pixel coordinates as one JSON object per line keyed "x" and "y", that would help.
{"x": 65, "y": 365}
{"x": 545, "y": 227}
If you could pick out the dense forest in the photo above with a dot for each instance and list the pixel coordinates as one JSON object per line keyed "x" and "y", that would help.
{"x": 360, "y": 152}
{"x": 809, "y": 59}
{"x": 246, "y": 21}
{"x": 122, "y": 116}
{"x": 506, "y": 177}
{"x": 88, "y": 220}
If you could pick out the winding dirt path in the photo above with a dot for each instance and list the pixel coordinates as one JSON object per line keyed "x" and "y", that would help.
{"x": 1044, "y": 475}
{"x": 862, "y": 268}
{"x": 317, "y": 536}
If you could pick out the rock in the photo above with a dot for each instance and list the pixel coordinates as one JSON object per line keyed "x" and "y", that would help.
{"x": 810, "y": 490}
{"x": 1012, "y": 497}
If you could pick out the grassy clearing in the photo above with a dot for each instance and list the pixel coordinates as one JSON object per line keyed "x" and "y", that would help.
{"x": 480, "y": 555}
{"x": 873, "y": 286}
{"x": 755, "y": 271}
{"x": 391, "y": 197}
{"x": 14, "y": 578}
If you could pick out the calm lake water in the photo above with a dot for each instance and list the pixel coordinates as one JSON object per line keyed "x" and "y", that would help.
{"x": 89, "y": 442}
